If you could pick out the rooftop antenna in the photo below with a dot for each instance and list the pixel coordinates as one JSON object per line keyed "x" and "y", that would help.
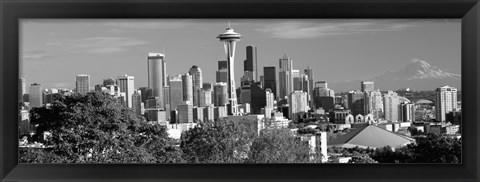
{"x": 229, "y": 24}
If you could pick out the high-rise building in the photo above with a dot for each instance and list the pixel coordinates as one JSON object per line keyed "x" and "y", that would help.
{"x": 270, "y": 79}
{"x": 108, "y": 81}
{"x": 82, "y": 83}
{"x": 220, "y": 94}
{"x": 146, "y": 93}
{"x": 327, "y": 103}
{"x": 22, "y": 88}
{"x": 222, "y": 65}
{"x": 208, "y": 113}
{"x": 219, "y": 112}
{"x": 157, "y": 76}
{"x": 269, "y": 98}
{"x": 187, "y": 82}
{"x": 305, "y": 84}
{"x": 258, "y": 98}
{"x": 222, "y": 75}
{"x": 126, "y": 84}
{"x": 285, "y": 77}
{"x": 391, "y": 102}
{"x": 176, "y": 92}
{"x": 407, "y": 112}
{"x": 185, "y": 113}
{"x": 245, "y": 93}
{"x": 198, "y": 114}
{"x": 445, "y": 101}
{"x": 137, "y": 102}
{"x": 204, "y": 97}
{"x": 196, "y": 73}
{"x": 356, "y": 102}
{"x": 367, "y": 86}
{"x": 207, "y": 86}
{"x": 298, "y": 104}
{"x": 297, "y": 80}
{"x": 35, "y": 95}
{"x": 250, "y": 64}
{"x": 375, "y": 104}
{"x": 309, "y": 72}
{"x": 229, "y": 38}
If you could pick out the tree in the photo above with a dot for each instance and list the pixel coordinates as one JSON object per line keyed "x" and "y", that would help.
{"x": 95, "y": 127}
{"x": 280, "y": 146}
{"x": 431, "y": 148}
{"x": 363, "y": 159}
{"x": 223, "y": 141}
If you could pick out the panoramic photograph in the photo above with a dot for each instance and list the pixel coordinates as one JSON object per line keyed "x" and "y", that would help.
{"x": 240, "y": 91}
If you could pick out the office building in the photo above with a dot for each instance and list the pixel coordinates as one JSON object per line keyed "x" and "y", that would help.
{"x": 269, "y": 101}
{"x": 445, "y": 101}
{"x": 204, "y": 97}
{"x": 270, "y": 79}
{"x": 250, "y": 64}
{"x": 176, "y": 92}
{"x": 367, "y": 86}
{"x": 137, "y": 102}
{"x": 356, "y": 102}
{"x": 229, "y": 38}
{"x": 146, "y": 93}
{"x": 198, "y": 114}
{"x": 156, "y": 115}
{"x": 245, "y": 93}
{"x": 187, "y": 88}
{"x": 126, "y": 84}
{"x": 222, "y": 75}
{"x": 220, "y": 94}
{"x": 297, "y": 80}
{"x": 222, "y": 65}
{"x": 327, "y": 103}
{"x": 82, "y": 83}
{"x": 391, "y": 102}
{"x": 298, "y": 104}
{"x": 220, "y": 112}
{"x": 258, "y": 98}
{"x": 285, "y": 76}
{"x": 407, "y": 112}
{"x": 22, "y": 88}
{"x": 208, "y": 114}
{"x": 310, "y": 74}
{"x": 185, "y": 113}
{"x": 196, "y": 73}
{"x": 375, "y": 104}
{"x": 35, "y": 95}
{"x": 157, "y": 76}
{"x": 108, "y": 81}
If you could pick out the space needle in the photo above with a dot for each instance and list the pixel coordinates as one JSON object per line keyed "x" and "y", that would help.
{"x": 230, "y": 38}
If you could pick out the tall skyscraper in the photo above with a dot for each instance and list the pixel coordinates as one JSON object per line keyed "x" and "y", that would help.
{"x": 445, "y": 101}
{"x": 250, "y": 64}
{"x": 230, "y": 38}
{"x": 35, "y": 95}
{"x": 220, "y": 94}
{"x": 187, "y": 83}
{"x": 367, "y": 86}
{"x": 146, "y": 93}
{"x": 269, "y": 103}
{"x": 270, "y": 79}
{"x": 222, "y": 75}
{"x": 82, "y": 83}
{"x": 137, "y": 102}
{"x": 157, "y": 74}
{"x": 356, "y": 102}
{"x": 258, "y": 100}
{"x": 375, "y": 101}
{"x": 126, "y": 84}
{"x": 391, "y": 102}
{"x": 309, "y": 72}
{"x": 298, "y": 104}
{"x": 297, "y": 80}
{"x": 176, "y": 92}
{"x": 196, "y": 73}
{"x": 222, "y": 65}
{"x": 285, "y": 76}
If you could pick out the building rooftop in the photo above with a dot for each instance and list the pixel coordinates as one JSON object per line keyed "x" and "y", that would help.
{"x": 370, "y": 136}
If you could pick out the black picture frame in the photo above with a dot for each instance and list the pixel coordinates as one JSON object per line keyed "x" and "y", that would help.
{"x": 13, "y": 10}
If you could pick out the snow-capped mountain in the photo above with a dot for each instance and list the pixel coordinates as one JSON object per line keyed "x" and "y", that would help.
{"x": 417, "y": 74}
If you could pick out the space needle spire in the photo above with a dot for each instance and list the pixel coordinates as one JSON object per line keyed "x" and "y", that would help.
{"x": 229, "y": 38}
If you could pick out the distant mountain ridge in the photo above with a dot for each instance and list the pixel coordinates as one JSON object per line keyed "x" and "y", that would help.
{"x": 417, "y": 74}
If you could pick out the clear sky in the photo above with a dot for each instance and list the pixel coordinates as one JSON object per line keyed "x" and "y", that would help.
{"x": 54, "y": 51}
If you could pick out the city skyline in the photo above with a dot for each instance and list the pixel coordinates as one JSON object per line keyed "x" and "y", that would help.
{"x": 98, "y": 51}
